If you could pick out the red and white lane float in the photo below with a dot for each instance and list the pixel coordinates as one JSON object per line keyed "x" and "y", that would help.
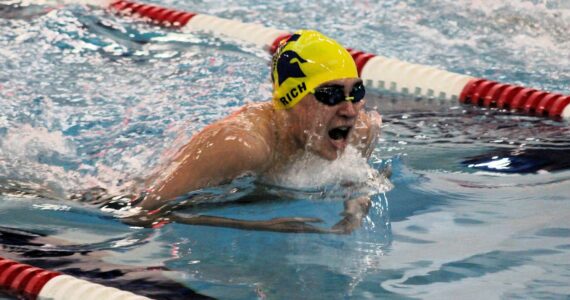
{"x": 377, "y": 71}
{"x": 25, "y": 281}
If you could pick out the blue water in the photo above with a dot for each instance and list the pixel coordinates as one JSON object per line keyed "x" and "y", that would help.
{"x": 480, "y": 203}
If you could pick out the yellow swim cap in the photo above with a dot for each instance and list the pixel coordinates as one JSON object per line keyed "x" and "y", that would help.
{"x": 303, "y": 62}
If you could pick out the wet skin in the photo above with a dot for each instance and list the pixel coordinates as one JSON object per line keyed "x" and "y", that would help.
{"x": 261, "y": 140}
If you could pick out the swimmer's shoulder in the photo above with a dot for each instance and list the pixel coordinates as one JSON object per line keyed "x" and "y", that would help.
{"x": 245, "y": 135}
{"x": 253, "y": 112}
{"x": 255, "y": 120}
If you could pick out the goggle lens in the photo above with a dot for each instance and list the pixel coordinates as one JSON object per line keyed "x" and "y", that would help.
{"x": 333, "y": 95}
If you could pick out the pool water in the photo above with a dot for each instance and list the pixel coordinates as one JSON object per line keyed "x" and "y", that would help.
{"x": 477, "y": 205}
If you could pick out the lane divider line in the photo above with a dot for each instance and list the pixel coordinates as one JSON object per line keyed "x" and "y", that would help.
{"x": 377, "y": 71}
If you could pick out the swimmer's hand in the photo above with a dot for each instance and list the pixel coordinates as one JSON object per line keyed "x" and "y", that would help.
{"x": 354, "y": 211}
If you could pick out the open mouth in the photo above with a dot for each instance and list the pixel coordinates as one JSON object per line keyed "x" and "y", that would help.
{"x": 339, "y": 133}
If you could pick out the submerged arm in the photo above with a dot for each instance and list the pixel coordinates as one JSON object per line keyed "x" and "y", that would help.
{"x": 165, "y": 215}
{"x": 292, "y": 225}
{"x": 355, "y": 210}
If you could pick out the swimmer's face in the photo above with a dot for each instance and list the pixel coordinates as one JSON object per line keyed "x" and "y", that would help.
{"x": 325, "y": 129}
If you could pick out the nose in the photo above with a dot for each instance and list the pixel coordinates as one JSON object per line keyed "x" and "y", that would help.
{"x": 348, "y": 109}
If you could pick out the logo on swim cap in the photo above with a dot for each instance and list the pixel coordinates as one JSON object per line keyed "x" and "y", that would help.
{"x": 303, "y": 62}
{"x": 288, "y": 66}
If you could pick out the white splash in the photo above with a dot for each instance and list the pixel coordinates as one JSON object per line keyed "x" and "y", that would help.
{"x": 23, "y": 153}
{"x": 312, "y": 171}
{"x": 53, "y": 207}
{"x": 27, "y": 142}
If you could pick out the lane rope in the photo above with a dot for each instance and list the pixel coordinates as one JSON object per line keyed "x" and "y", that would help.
{"x": 377, "y": 71}
{"x": 30, "y": 282}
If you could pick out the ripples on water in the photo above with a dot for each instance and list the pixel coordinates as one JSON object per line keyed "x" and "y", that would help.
{"x": 89, "y": 98}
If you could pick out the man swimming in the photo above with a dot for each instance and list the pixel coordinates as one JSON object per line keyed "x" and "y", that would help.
{"x": 316, "y": 107}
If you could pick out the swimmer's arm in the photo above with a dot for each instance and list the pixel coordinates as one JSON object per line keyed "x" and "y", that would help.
{"x": 366, "y": 132}
{"x": 286, "y": 224}
{"x": 289, "y": 225}
{"x": 215, "y": 156}
{"x": 355, "y": 210}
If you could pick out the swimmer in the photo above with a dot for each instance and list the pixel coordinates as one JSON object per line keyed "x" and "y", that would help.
{"x": 317, "y": 107}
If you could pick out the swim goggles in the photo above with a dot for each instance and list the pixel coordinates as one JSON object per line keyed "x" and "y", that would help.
{"x": 333, "y": 95}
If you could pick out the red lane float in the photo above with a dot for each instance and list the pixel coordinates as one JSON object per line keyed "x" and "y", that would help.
{"x": 157, "y": 14}
{"x": 376, "y": 71}
{"x": 30, "y": 282}
{"x": 488, "y": 93}
{"x": 23, "y": 280}
{"x": 360, "y": 58}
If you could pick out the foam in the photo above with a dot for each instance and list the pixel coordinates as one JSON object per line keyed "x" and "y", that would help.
{"x": 311, "y": 171}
